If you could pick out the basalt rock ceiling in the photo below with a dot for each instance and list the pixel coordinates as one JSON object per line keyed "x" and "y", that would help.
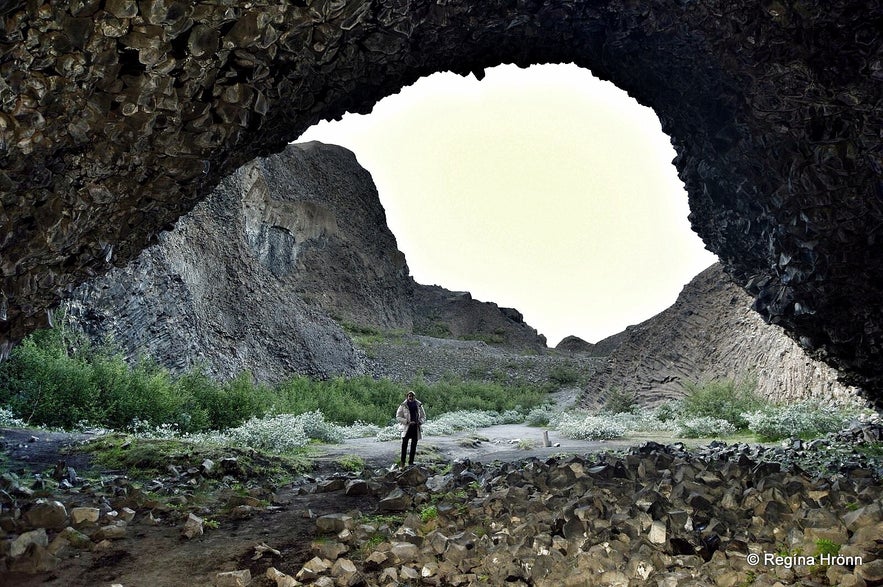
{"x": 116, "y": 116}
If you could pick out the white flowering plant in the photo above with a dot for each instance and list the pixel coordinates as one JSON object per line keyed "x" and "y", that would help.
{"x": 582, "y": 426}
{"x": 7, "y": 418}
{"x": 804, "y": 419}
{"x": 451, "y": 422}
{"x": 704, "y": 427}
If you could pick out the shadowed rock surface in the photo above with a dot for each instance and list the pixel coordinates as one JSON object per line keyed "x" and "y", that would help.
{"x": 710, "y": 333}
{"x": 117, "y": 117}
{"x": 251, "y": 278}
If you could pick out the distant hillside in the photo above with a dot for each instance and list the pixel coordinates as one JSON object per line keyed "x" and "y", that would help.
{"x": 710, "y": 333}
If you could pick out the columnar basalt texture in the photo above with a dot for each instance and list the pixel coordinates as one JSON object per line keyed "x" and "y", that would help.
{"x": 710, "y": 334}
{"x": 117, "y": 116}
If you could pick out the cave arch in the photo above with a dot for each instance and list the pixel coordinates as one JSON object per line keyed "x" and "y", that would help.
{"x": 117, "y": 116}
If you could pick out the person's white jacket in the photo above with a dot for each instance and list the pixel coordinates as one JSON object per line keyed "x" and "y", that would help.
{"x": 403, "y": 415}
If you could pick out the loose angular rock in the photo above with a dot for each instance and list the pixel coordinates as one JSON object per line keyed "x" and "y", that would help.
{"x": 193, "y": 527}
{"x": 84, "y": 515}
{"x": 233, "y": 578}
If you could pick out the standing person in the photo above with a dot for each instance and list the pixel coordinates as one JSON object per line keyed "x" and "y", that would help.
{"x": 411, "y": 417}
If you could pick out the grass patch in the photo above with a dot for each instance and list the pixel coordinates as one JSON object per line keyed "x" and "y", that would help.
{"x": 56, "y": 379}
{"x": 428, "y": 514}
{"x": 147, "y": 458}
{"x": 351, "y": 463}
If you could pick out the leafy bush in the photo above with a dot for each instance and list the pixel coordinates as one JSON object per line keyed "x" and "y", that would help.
{"x": 360, "y": 430}
{"x": 640, "y": 421}
{"x": 704, "y": 427}
{"x": 620, "y": 401}
{"x": 279, "y": 434}
{"x": 40, "y": 384}
{"x": 721, "y": 399}
{"x": 56, "y": 378}
{"x": 667, "y": 411}
{"x": 805, "y": 419}
{"x": 564, "y": 374}
{"x": 316, "y": 427}
{"x": 541, "y": 416}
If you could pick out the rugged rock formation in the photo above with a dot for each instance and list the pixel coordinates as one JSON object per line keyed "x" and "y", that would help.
{"x": 226, "y": 288}
{"x": 442, "y": 313}
{"x": 602, "y": 348}
{"x": 117, "y": 116}
{"x": 250, "y": 279}
{"x": 711, "y": 333}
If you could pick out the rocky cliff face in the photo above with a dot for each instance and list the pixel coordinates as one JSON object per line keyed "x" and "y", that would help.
{"x": 711, "y": 333}
{"x": 229, "y": 287}
{"x": 444, "y": 313}
{"x": 262, "y": 274}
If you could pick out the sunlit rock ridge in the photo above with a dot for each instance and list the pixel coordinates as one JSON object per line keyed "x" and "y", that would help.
{"x": 117, "y": 116}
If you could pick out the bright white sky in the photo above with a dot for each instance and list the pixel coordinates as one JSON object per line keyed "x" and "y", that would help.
{"x": 545, "y": 190}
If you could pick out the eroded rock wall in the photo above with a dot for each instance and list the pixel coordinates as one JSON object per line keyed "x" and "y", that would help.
{"x": 263, "y": 274}
{"x": 711, "y": 333}
{"x": 244, "y": 281}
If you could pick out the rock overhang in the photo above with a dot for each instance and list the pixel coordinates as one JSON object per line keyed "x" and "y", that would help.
{"x": 116, "y": 117}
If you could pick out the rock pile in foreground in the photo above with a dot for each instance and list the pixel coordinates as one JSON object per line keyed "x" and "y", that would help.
{"x": 659, "y": 515}
{"x": 723, "y": 515}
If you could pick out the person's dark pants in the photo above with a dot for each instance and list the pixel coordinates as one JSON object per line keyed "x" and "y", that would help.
{"x": 411, "y": 435}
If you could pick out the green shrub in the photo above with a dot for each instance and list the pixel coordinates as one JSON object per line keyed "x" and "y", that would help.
{"x": 721, "y": 399}
{"x": 279, "y": 434}
{"x": 667, "y": 411}
{"x": 316, "y": 427}
{"x": 143, "y": 392}
{"x": 55, "y": 378}
{"x": 620, "y": 401}
{"x": 435, "y": 329}
{"x": 541, "y": 416}
{"x": 563, "y": 374}
{"x": 41, "y": 384}
{"x": 428, "y": 513}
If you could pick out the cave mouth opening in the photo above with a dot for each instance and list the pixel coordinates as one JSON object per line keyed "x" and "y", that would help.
{"x": 544, "y": 189}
